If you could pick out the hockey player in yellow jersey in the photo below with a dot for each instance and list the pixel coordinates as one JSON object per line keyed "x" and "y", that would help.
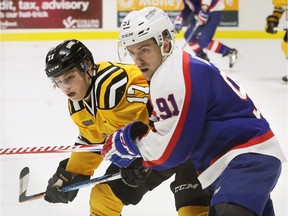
{"x": 280, "y": 7}
{"x": 102, "y": 98}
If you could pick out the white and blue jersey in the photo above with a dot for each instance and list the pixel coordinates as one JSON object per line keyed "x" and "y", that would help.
{"x": 203, "y": 115}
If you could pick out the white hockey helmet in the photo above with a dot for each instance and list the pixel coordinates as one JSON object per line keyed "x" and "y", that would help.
{"x": 150, "y": 22}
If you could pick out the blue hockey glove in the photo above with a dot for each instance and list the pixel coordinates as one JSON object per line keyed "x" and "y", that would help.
{"x": 202, "y": 17}
{"x": 120, "y": 147}
{"x": 178, "y": 23}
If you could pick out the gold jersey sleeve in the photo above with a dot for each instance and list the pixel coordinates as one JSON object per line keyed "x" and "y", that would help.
{"x": 118, "y": 97}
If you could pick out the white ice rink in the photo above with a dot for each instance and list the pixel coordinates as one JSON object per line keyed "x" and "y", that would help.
{"x": 34, "y": 114}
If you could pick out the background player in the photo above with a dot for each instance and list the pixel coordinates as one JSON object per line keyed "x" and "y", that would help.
{"x": 280, "y": 6}
{"x": 203, "y": 115}
{"x": 104, "y": 97}
{"x": 206, "y": 14}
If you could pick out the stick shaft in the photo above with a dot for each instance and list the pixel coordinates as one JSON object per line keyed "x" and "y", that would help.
{"x": 191, "y": 34}
{"x": 31, "y": 197}
{"x": 101, "y": 179}
{"x": 50, "y": 149}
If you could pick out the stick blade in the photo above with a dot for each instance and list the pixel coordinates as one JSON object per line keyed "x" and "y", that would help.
{"x": 23, "y": 180}
{"x": 25, "y": 171}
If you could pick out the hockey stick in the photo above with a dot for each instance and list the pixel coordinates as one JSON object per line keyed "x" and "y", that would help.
{"x": 51, "y": 149}
{"x": 191, "y": 34}
{"x": 24, "y": 180}
{"x": 98, "y": 180}
{"x": 280, "y": 29}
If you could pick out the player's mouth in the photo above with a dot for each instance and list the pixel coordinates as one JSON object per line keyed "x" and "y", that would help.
{"x": 71, "y": 94}
{"x": 144, "y": 70}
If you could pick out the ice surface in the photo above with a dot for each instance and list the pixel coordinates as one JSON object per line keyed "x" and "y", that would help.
{"x": 34, "y": 114}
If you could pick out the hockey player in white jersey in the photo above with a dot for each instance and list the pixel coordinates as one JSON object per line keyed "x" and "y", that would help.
{"x": 204, "y": 115}
{"x": 206, "y": 17}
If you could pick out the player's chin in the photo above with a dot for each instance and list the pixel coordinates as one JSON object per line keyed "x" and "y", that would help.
{"x": 147, "y": 77}
{"x": 146, "y": 73}
{"x": 74, "y": 97}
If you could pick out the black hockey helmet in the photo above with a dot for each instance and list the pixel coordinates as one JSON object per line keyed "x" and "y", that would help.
{"x": 65, "y": 56}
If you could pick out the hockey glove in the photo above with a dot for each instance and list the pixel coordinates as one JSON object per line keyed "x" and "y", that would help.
{"x": 202, "y": 17}
{"x": 120, "y": 147}
{"x": 60, "y": 179}
{"x": 135, "y": 174}
{"x": 272, "y": 22}
{"x": 178, "y": 23}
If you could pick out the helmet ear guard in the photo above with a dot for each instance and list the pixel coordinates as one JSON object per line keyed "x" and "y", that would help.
{"x": 84, "y": 67}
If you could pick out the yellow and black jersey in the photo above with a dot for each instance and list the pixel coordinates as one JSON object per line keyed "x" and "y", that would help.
{"x": 118, "y": 97}
{"x": 87, "y": 123}
{"x": 280, "y": 4}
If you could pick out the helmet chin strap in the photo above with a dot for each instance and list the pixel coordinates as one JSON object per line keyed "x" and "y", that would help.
{"x": 165, "y": 55}
{"x": 85, "y": 69}
{"x": 92, "y": 78}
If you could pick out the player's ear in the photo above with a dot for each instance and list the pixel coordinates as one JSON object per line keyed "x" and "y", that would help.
{"x": 91, "y": 67}
{"x": 167, "y": 45}
{"x": 91, "y": 70}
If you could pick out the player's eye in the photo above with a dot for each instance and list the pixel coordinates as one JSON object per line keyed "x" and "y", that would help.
{"x": 57, "y": 82}
{"x": 69, "y": 78}
{"x": 131, "y": 53}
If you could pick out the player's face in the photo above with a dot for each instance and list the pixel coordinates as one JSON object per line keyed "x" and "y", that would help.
{"x": 74, "y": 84}
{"x": 147, "y": 56}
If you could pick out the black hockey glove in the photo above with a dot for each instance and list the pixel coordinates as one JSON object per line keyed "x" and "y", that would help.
{"x": 272, "y": 22}
{"x": 135, "y": 174}
{"x": 60, "y": 179}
